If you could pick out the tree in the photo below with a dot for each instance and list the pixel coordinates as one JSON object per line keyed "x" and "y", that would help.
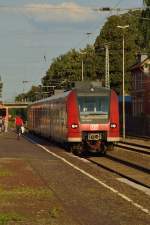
{"x": 89, "y": 63}
{"x": 145, "y": 26}
{"x": 68, "y": 67}
{"x": 64, "y": 67}
{"x": 31, "y": 96}
{"x": 112, "y": 36}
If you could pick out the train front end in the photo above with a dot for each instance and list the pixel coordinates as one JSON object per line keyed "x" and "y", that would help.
{"x": 97, "y": 124}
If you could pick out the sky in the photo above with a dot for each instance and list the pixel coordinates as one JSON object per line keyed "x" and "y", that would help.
{"x": 34, "y": 32}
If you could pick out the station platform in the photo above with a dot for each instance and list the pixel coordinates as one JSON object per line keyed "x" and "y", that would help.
{"x": 41, "y": 183}
{"x": 136, "y": 140}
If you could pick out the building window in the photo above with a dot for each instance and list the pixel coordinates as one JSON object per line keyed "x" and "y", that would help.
{"x": 139, "y": 80}
{"x": 134, "y": 81}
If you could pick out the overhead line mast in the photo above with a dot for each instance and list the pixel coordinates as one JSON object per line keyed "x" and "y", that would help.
{"x": 1, "y": 88}
{"x": 109, "y": 9}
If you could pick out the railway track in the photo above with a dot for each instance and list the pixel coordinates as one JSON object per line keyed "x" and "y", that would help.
{"x": 130, "y": 168}
{"x": 130, "y": 164}
{"x": 135, "y": 147}
{"x": 126, "y": 170}
{"x": 143, "y": 138}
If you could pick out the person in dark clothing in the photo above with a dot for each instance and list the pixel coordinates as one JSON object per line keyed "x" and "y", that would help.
{"x": 1, "y": 123}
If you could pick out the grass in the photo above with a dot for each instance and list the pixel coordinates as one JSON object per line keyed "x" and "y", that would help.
{"x": 30, "y": 197}
{"x": 7, "y": 217}
{"x": 25, "y": 192}
{"x": 22, "y": 203}
{"x": 5, "y": 173}
{"x": 54, "y": 212}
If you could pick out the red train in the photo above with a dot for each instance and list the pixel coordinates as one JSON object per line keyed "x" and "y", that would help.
{"x": 85, "y": 118}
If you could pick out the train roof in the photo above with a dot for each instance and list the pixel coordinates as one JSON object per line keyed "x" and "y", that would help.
{"x": 90, "y": 87}
{"x": 81, "y": 87}
{"x": 53, "y": 97}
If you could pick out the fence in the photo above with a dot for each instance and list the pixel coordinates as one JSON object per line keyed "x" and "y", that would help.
{"x": 138, "y": 126}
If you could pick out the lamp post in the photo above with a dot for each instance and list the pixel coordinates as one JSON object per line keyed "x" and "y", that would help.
{"x": 83, "y": 53}
{"x": 82, "y": 74}
{"x": 123, "y": 86}
{"x": 82, "y": 71}
{"x": 107, "y": 79}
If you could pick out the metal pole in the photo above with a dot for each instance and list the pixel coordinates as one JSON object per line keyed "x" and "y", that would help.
{"x": 123, "y": 87}
{"x": 1, "y": 88}
{"x": 82, "y": 70}
{"x": 107, "y": 82}
{"x": 108, "y": 71}
{"x": 123, "y": 94}
{"x": 108, "y": 78}
{"x": 106, "y": 65}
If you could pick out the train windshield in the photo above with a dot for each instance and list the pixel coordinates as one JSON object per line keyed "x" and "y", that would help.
{"x": 93, "y": 109}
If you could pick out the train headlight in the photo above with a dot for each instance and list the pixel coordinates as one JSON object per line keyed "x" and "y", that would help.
{"x": 113, "y": 125}
{"x": 74, "y": 126}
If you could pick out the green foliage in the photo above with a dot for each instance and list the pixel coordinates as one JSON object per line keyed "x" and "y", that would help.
{"x": 5, "y": 173}
{"x": 54, "y": 212}
{"x": 63, "y": 67}
{"x": 145, "y": 26}
{"x": 5, "y": 218}
{"x": 30, "y": 96}
{"x": 68, "y": 67}
{"x": 113, "y": 36}
{"x": 22, "y": 112}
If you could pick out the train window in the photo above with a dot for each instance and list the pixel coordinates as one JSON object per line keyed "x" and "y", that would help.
{"x": 93, "y": 108}
{"x": 93, "y": 104}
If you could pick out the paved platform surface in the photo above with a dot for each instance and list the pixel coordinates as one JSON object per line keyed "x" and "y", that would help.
{"x": 41, "y": 184}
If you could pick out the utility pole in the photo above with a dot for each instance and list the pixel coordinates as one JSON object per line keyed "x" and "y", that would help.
{"x": 123, "y": 83}
{"x": 82, "y": 78}
{"x": 107, "y": 79}
{"x": 1, "y": 88}
{"x": 82, "y": 65}
{"x": 109, "y": 9}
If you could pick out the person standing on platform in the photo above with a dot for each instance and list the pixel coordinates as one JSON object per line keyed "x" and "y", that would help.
{"x": 1, "y": 123}
{"x": 5, "y": 123}
{"x": 18, "y": 123}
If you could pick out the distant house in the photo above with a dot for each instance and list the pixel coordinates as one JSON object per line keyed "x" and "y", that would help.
{"x": 141, "y": 86}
